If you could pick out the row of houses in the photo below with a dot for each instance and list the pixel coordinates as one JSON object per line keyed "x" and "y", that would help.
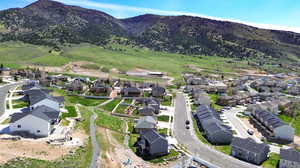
{"x": 39, "y": 119}
{"x": 208, "y": 121}
{"x": 256, "y": 153}
{"x": 272, "y": 126}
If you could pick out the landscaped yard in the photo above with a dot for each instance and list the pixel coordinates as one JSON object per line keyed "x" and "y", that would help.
{"x": 214, "y": 98}
{"x": 295, "y": 123}
{"x": 163, "y": 131}
{"x": 84, "y": 101}
{"x": 121, "y": 109}
{"x": 19, "y": 104}
{"x": 167, "y": 101}
{"x": 163, "y": 118}
{"x": 272, "y": 162}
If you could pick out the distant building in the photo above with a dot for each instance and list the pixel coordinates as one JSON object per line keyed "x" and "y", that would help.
{"x": 131, "y": 92}
{"x": 289, "y": 158}
{"x": 158, "y": 91}
{"x": 249, "y": 151}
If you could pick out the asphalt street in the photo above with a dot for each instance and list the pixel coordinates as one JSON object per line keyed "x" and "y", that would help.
{"x": 194, "y": 145}
{"x": 3, "y": 92}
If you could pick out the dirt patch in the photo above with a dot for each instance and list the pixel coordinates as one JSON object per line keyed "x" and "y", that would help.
{"x": 194, "y": 67}
{"x": 74, "y": 68}
{"x": 32, "y": 149}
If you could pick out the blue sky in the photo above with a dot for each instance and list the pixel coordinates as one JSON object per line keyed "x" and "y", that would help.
{"x": 274, "y": 14}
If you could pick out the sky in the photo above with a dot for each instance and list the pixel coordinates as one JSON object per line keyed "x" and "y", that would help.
{"x": 270, "y": 14}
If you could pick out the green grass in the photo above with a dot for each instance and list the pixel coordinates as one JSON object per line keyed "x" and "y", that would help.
{"x": 111, "y": 122}
{"x": 84, "y": 101}
{"x": 163, "y": 118}
{"x": 80, "y": 159}
{"x": 163, "y": 131}
{"x": 127, "y": 59}
{"x": 167, "y": 101}
{"x": 295, "y": 123}
{"x": 214, "y": 98}
{"x": 19, "y": 104}
{"x": 86, "y": 113}
{"x": 198, "y": 133}
{"x": 272, "y": 161}
{"x": 133, "y": 138}
{"x": 161, "y": 159}
{"x": 111, "y": 105}
{"x": 224, "y": 148}
{"x": 64, "y": 122}
{"x": 121, "y": 109}
{"x": 119, "y": 137}
{"x": 71, "y": 112}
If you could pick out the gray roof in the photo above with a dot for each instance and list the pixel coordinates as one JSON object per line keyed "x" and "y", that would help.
{"x": 151, "y": 136}
{"x": 147, "y": 111}
{"x": 146, "y": 122}
{"x": 290, "y": 154}
{"x": 43, "y": 112}
{"x": 249, "y": 145}
{"x": 270, "y": 120}
{"x": 37, "y": 95}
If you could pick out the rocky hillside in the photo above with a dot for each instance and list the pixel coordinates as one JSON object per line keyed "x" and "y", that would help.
{"x": 51, "y": 23}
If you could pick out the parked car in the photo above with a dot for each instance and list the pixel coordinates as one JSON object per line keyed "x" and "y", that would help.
{"x": 250, "y": 132}
{"x": 187, "y": 122}
{"x": 187, "y": 127}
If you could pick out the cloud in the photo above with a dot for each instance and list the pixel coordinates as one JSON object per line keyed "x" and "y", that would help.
{"x": 125, "y": 9}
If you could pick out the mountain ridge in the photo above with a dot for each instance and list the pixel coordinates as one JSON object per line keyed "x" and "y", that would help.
{"x": 47, "y": 22}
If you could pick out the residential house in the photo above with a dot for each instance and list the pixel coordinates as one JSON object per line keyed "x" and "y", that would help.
{"x": 147, "y": 111}
{"x": 38, "y": 122}
{"x": 208, "y": 121}
{"x": 145, "y": 123}
{"x": 249, "y": 151}
{"x": 158, "y": 91}
{"x": 99, "y": 87}
{"x": 152, "y": 144}
{"x": 131, "y": 92}
{"x": 150, "y": 102}
{"x": 289, "y": 158}
{"x": 279, "y": 130}
{"x": 75, "y": 85}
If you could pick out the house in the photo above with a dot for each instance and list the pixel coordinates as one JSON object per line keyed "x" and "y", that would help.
{"x": 279, "y": 130}
{"x": 99, "y": 87}
{"x": 145, "y": 123}
{"x": 75, "y": 85}
{"x": 289, "y": 158}
{"x": 130, "y": 92}
{"x": 202, "y": 99}
{"x": 152, "y": 144}
{"x": 38, "y": 97}
{"x": 249, "y": 151}
{"x": 208, "y": 121}
{"x": 150, "y": 102}
{"x": 158, "y": 91}
{"x": 38, "y": 122}
{"x": 147, "y": 111}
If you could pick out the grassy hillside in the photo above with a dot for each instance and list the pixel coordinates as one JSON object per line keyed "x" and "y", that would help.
{"x": 113, "y": 56}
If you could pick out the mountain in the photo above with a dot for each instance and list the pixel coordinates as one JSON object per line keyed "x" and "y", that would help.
{"x": 52, "y": 23}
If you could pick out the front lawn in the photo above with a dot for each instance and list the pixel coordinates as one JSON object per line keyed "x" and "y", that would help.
{"x": 84, "y": 101}
{"x": 167, "y": 101}
{"x": 19, "y": 104}
{"x": 272, "y": 161}
{"x": 121, "y": 109}
{"x": 295, "y": 122}
{"x": 164, "y": 118}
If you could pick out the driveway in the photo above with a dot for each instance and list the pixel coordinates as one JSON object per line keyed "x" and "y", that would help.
{"x": 194, "y": 145}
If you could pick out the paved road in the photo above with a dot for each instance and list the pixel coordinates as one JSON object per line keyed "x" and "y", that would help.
{"x": 3, "y": 92}
{"x": 192, "y": 143}
{"x": 96, "y": 147}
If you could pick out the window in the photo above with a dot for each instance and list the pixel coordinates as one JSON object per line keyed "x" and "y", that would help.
{"x": 19, "y": 126}
{"x": 38, "y": 131}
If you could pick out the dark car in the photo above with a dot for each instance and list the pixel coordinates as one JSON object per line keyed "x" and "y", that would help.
{"x": 187, "y": 122}
{"x": 250, "y": 132}
{"x": 187, "y": 127}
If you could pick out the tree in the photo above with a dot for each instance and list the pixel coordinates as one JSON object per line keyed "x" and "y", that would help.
{"x": 16, "y": 78}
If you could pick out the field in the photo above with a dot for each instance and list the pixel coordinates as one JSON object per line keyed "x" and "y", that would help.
{"x": 128, "y": 58}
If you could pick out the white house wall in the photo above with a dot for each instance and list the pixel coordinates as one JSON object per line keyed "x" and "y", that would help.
{"x": 31, "y": 124}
